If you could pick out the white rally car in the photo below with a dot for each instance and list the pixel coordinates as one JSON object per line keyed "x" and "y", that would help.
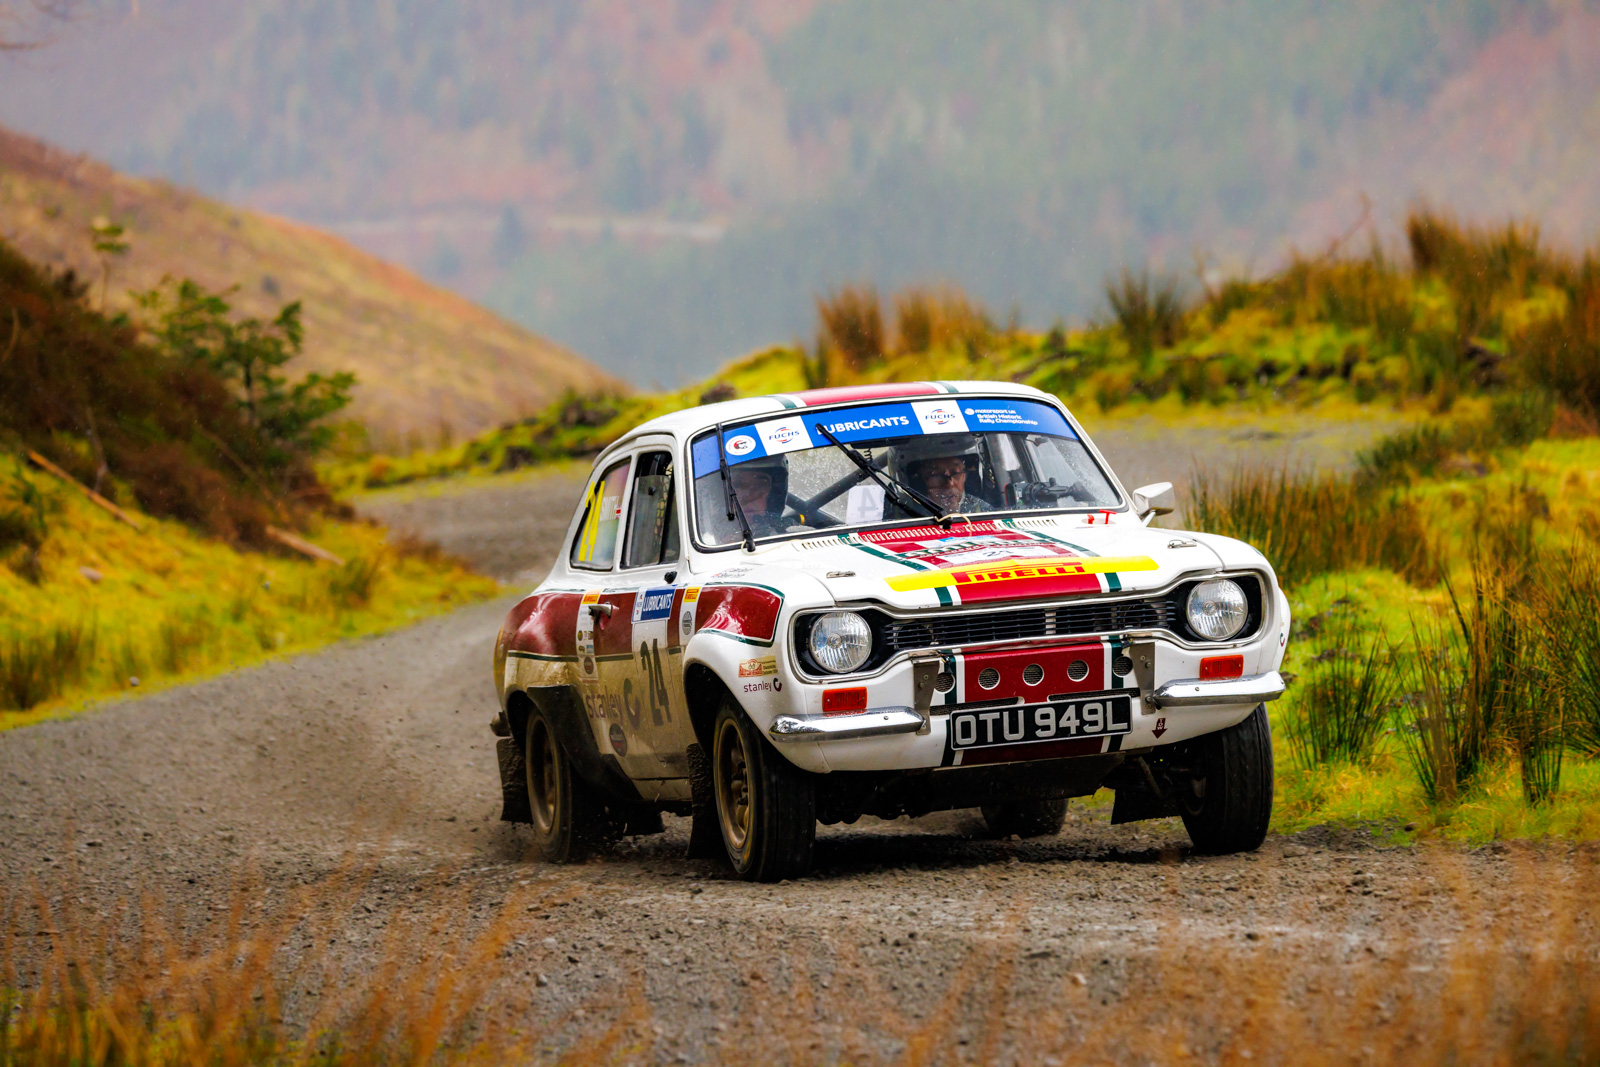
{"x": 884, "y": 600}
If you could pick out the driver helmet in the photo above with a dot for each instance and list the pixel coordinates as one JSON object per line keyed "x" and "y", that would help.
{"x": 775, "y": 468}
{"x": 912, "y": 454}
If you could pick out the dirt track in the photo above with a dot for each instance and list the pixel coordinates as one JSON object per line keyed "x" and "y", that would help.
{"x": 374, "y": 757}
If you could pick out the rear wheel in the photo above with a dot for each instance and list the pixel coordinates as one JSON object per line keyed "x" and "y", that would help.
{"x": 766, "y": 806}
{"x": 1026, "y": 818}
{"x": 568, "y": 818}
{"x": 1229, "y": 805}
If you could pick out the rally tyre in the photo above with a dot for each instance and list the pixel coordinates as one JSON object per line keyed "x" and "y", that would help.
{"x": 766, "y": 806}
{"x": 1230, "y": 810}
{"x": 568, "y": 818}
{"x": 1035, "y": 817}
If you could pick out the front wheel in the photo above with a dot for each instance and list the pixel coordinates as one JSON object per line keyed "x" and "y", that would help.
{"x": 766, "y": 806}
{"x": 1230, "y": 804}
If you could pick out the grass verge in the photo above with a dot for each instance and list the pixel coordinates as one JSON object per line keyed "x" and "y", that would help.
{"x": 94, "y": 608}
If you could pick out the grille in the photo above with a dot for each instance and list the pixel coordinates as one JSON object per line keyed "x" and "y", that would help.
{"x": 1077, "y": 670}
{"x": 1032, "y": 674}
{"x": 900, "y": 635}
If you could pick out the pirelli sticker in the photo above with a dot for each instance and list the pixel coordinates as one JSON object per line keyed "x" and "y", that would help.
{"x": 1019, "y": 571}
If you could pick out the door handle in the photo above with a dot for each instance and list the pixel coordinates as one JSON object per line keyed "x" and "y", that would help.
{"x": 597, "y": 610}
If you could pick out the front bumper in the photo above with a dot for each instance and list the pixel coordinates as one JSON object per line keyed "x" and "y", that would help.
{"x": 879, "y": 722}
{"x": 1192, "y": 692}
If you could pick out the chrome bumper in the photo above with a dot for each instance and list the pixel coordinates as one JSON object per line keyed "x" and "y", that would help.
{"x": 1192, "y": 692}
{"x": 876, "y": 723}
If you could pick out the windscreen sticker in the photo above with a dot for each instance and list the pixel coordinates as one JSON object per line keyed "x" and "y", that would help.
{"x": 940, "y": 416}
{"x": 874, "y": 422}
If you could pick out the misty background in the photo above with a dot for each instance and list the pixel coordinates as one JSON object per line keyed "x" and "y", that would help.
{"x": 664, "y": 186}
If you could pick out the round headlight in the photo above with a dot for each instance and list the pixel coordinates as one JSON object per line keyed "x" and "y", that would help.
{"x": 1217, "y": 609}
{"x": 841, "y": 641}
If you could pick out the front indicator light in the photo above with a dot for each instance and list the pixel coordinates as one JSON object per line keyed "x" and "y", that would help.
{"x": 843, "y": 701}
{"x": 840, "y": 642}
{"x": 1221, "y": 668}
{"x": 1217, "y": 609}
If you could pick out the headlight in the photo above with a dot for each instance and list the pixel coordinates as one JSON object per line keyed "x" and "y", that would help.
{"x": 1217, "y": 609}
{"x": 841, "y": 641}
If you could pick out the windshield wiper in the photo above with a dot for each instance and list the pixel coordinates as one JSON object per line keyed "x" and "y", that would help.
{"x": 731, "y": 496}
{"x": 891, "y": 485}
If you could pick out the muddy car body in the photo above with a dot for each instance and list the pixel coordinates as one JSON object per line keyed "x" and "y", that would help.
{"x": 779, "y": 611}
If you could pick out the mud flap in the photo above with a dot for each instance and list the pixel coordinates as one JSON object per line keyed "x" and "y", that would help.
{"x": 705, "y": 836}
{"x": 514, "y": 805}
{"x": 1135, "y": 803}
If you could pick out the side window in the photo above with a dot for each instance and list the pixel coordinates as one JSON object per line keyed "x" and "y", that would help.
{"x": 653, "y": 521}
{"x": 596, "y": 545}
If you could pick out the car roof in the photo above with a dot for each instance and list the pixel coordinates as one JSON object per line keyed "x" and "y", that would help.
{"x": 689, "y": 421}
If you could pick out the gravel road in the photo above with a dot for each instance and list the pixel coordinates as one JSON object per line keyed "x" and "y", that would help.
{"x": 364, "y": 775}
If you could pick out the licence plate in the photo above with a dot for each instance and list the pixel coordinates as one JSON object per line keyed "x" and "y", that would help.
{"x": 1088, "y": 715}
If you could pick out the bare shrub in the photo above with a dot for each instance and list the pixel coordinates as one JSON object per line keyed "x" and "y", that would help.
{"x": 851, "y": 321}
{"x": 1149, "y": 311}
{"x": 942, "y": 318}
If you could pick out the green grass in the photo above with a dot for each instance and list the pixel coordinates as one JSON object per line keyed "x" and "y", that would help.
{"x": 101, "y": 609}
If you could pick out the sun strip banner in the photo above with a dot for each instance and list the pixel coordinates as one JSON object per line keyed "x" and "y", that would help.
{"x": 1019, "y": 570}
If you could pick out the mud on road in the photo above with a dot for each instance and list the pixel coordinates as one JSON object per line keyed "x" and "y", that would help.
{"x": 366, "y": 774}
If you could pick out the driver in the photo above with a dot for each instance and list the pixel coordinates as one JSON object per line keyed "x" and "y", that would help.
{"x": 939, "y": 465}
{"x": 762, "y": 485}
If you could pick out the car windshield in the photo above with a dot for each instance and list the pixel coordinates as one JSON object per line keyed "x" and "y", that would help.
{"x": 966, "y": 455}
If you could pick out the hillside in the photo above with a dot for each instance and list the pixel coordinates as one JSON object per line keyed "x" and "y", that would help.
{"x": 428, "y": 361}
{"x": 664, "y": 186}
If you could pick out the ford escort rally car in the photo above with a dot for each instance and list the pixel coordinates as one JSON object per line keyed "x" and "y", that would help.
{"x": 886, "y": 600}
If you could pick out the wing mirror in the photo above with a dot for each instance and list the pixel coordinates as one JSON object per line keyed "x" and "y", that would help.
{"x": 1152, "y": 500}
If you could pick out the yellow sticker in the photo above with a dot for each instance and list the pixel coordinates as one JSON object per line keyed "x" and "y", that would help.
{"x": 1018, "y": 570}
{"x": 591, "y": 597}
{"x": 691, "y": 594}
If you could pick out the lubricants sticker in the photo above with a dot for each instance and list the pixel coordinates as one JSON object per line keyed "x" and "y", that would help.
{"x": 1018, "y": 570}
{"x": 757, "y": 668}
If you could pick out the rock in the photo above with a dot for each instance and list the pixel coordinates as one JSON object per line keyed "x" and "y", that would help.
{"x": 549, "y": 943}
{"x": 542, "y": 980}
{"x": 1292, "y": 851}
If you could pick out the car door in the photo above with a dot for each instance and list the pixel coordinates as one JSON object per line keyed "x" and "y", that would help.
{"x": 604, "y": 669}
{"x": 655, "y": 719}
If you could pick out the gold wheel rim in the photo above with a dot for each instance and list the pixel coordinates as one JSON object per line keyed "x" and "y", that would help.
{"x": 544, "y": 781}
{"x": 733, "y": 787}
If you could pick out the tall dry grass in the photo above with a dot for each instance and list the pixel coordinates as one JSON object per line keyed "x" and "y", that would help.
{"x": 1503, "y": 969}
{"x": 1309, "y": 524}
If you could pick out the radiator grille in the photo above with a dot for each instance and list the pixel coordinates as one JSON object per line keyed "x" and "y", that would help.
{"x": 904, "y": 635}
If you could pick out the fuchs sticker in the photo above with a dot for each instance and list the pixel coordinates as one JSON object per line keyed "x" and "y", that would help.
{"x": 783, "y": 435}
{"x": 741, "y": 445}
{"x": 758, "y": 668}
{"x": 940, "y": 416}
{"x": 653, "y": 604}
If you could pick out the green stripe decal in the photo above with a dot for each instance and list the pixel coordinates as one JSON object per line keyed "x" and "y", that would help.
{"x": 942, "y": 592}
{"x": 1113, "y": 583}
{"x": 512, "y": 653}
{"x": 788, "y": 405}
